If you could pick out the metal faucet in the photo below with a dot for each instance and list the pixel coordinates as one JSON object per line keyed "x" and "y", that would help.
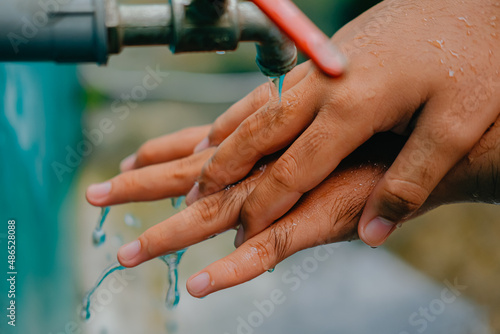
{"x": 201, "y": 25}
{"x": 91, "y": 30}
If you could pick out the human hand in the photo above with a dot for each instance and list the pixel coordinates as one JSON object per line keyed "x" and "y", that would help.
{"x": 327, "y": 214}
{"x": 430, "y": 69}
{"x": 178, "y": 148}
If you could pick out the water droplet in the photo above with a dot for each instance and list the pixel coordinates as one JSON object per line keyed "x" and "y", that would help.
{"x": 453, "y": 53}
{"x": 451, "y": 73}
{"x": 467, "y": 24}
{"x": 172, "y": 261}
{"x": 270, "y": 270}
{"x": 98, "y": 235}
{"x": 399, "y": 225}
{"x": 132, "y": 221}
{"x": 177, "y": 202}
{"x": 220, "y": 52}
{"x": 436, "y": 43}
{"x": 276, "y": 86}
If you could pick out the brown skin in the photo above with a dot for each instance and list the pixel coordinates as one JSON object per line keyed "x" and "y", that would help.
{"x": 395, "y": 70}
{"x": 429, "y": 68}
{"x": 329, "y": 213}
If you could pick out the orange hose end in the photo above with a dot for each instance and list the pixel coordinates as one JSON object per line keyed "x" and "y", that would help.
{"x": 306, "y": 35}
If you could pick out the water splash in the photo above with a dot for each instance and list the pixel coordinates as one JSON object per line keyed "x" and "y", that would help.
{"x": 177, "y": 202}
{"x": 98, "y": 235}
{"x": 85, "y": 314}
{"x": 132, "y": 221}
{"x": 172, "y": 261}
{"x": 277, "y": 82}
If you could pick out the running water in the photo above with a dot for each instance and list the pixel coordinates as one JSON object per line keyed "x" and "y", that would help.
{"x": 172, "y": 261}
{"x": 277, "y": 82}
{"x": 177, "y": 202}
{"x": 98, "y": 235}
{"x": 85, "y": 315}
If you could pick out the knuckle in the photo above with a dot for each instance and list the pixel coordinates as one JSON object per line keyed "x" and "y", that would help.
{"x": 250, "y": 129}
{"x": 146, "y": 153}
{"x": 249, "y": 211}
{"x": 217, "y": 131}
{"x": 213, "y": 177}
{"x": 149, "y": 243}
{"x": 180, "y": 171}
{"x": 130, "y": 184}
{"x": 207, "y": 209}
{"x": 284, "y": 172}
{"x": 265, "y": 253}
{"x": 280, "y": 238}
{"x": 400, "y": 198}
{"x": 342, "y": 100}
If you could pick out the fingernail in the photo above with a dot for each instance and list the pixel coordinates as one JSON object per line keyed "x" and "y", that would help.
{"x": 128, "y": 163}
{"x": 238, "y": 240}
{"x": 377, "y": 230}
{"x": 202, "y": 145}
{"x": 129, "y": 251}
{"x": 199, "y": 283}
{"x": 99, "y": 190}
{"x": 193, "y": 194}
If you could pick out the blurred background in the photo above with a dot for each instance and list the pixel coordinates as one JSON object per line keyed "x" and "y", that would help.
{"x": 49, "y": 110}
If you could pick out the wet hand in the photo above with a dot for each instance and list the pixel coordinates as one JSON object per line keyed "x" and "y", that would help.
{"x": 429, "y": 69}
{"x": 329, "y": 213}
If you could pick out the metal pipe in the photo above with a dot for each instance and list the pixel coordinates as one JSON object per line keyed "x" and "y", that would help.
{"x": 63, "y": 31}
{"x": 89, "y": 30}
{"x": 138, "y": 25}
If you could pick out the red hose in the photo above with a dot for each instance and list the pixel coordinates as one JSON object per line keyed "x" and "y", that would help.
{"x": 307, "y": 37}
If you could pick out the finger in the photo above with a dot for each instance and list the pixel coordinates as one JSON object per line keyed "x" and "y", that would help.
{"x": 263, "y": 133}
{"x": 150, "y": 183}
{"x": 326, "y": 215}
{"x": 348, "y": 118}
{"x": 209, "y": 216}
{"x": 438, "y": 142}
{"x": 319, "y": 149}
{"x": 226, "y": 123}
{"x": 166, "y": 148}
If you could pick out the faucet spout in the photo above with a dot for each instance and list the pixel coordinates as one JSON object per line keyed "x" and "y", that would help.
{"x": 276, "y": 53}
